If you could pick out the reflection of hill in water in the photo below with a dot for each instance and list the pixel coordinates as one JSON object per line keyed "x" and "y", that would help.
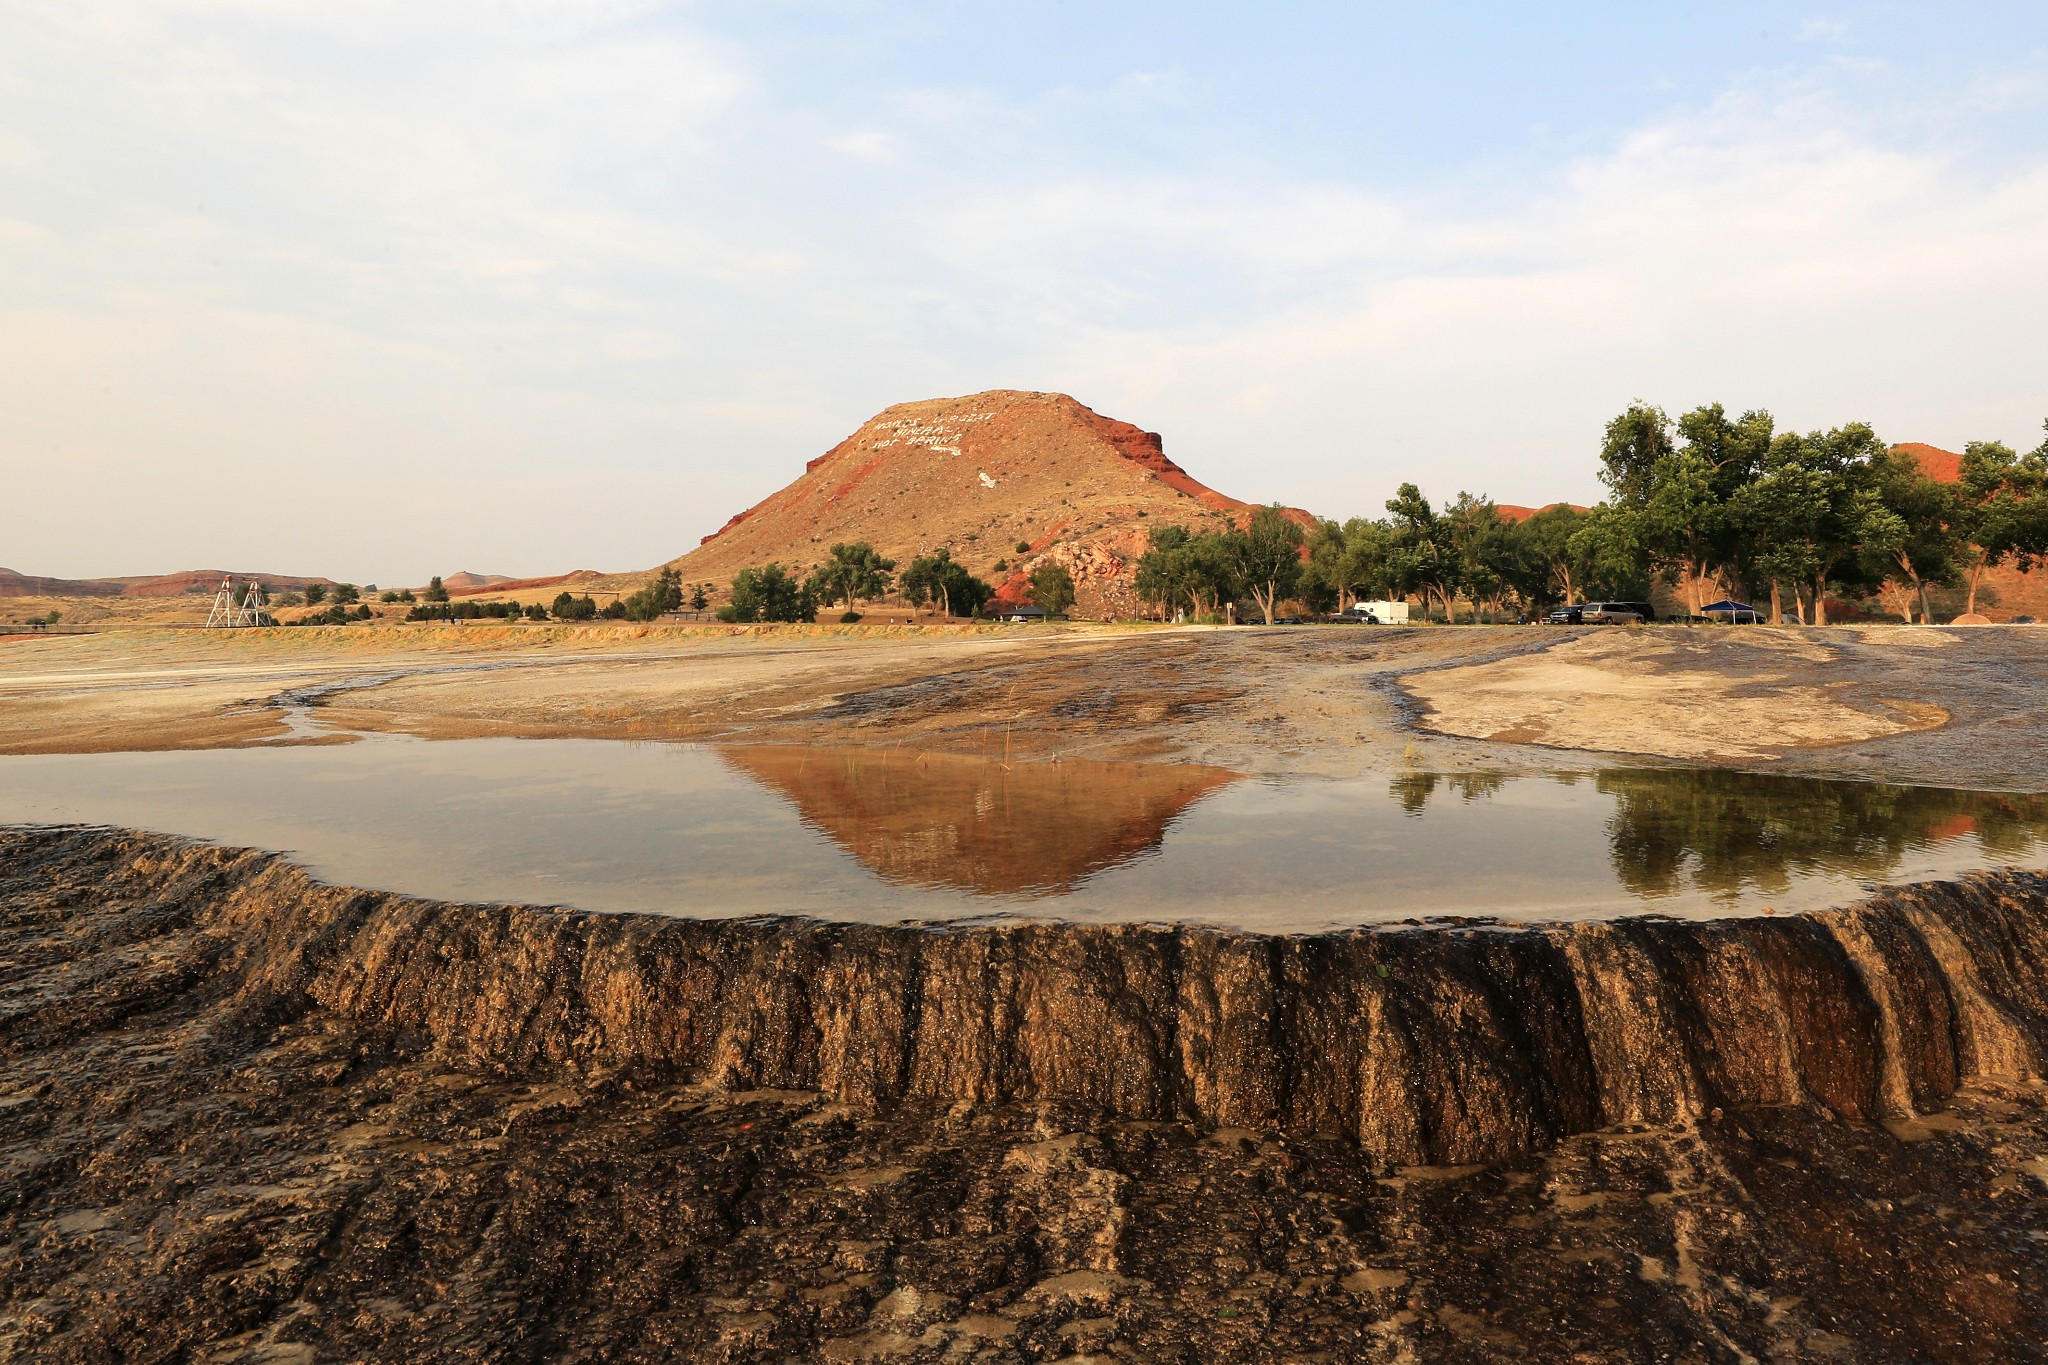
{"x": 1721, "y": 832}
{"x": 972, "y": 824}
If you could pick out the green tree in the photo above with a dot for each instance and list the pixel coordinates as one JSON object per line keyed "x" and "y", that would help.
{"x": 1052, "y": 588}
{"x": 939, "y": 582}
{"x": 569, "y": 607}
{"x": 1815, "y": 515}
{"x": 1421, "y": 557}
{"x": 2002, "y": 516}
{"x": 1183, "y": 566}
{"x": 1557, "y": 566}
{"x": 700, "y": 596}
{"x": 651, "y": 600}
{"x": 1634, "y": 445}
{"x": 1609, "y": 548}
{"x": 854, "y": 571}
{"x": 769, "y": 594}
{"x": 1928, "y": 549}
{"x": 316, "y": 593}
{"x": 347, "y": 594}
{"x": 1266, "y": 557}
{"x": 1681, "y": 495}
{"x": 1323, "y": 575}
{"x": 435, "y": 591}
{"x": 1490, "y": 554}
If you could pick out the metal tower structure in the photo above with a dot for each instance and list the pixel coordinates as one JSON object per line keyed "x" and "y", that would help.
{"x": 227, "y": 613}
{"x": 223, "y": 613}
{"x": 253, "y": 604}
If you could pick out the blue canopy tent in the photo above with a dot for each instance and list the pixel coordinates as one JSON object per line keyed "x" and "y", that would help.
{"x": 1735, "y": 611}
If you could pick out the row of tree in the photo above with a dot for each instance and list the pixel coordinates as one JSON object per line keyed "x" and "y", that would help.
{"x": 1714, "y": 499}
{"x": 1706, "y": 503}
{"x": 1202, "y": 570}
{"x": 856, "y": 572}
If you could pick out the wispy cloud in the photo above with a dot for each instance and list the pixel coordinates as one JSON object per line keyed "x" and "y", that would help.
{"x": 509, "y": 258}
{"x": 866, "y": 145}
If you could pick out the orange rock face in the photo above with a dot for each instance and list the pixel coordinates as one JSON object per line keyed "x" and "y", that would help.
{"x": 981, "y": 475}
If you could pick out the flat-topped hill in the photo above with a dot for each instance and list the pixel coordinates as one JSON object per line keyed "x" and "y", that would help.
{"x": 980, "y": 475}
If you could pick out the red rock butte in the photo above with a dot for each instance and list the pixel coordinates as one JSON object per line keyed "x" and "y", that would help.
{"x": 981, "y": 475}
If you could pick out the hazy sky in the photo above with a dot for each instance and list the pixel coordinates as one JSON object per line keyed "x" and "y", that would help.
{"x": 380, "y": 289}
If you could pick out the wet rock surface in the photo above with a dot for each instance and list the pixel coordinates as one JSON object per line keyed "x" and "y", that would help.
{"x": 243, "y": 1116}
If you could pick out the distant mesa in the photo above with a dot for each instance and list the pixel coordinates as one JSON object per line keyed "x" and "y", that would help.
{"x": 14, "y": 584}
{"x": 982, "y": 475}
{"x": 958, "y": 822}
{"x": 469, "y": 582}
{"x": 472, "y": 584}
{"x": 1515, "y": 512}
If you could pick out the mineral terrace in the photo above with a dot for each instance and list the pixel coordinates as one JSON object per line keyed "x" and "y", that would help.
{"x": 244, "y": 1116}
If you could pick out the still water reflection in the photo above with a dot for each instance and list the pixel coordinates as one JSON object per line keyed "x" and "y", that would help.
{"x": 893, "y": 834}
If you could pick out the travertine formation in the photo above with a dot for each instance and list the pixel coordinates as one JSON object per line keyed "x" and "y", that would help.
{"x": 247, "y": 1113}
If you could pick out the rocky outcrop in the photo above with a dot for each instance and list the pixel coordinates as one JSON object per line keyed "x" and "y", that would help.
{"x": 245, "y": 1116}
{"x": 1439, "y": 1044}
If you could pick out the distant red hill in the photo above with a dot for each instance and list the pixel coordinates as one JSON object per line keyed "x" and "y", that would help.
{"x": 473, "y": 585}
{"x": 1005, "y": 480}
{"x": 1943, "y": 465}
{"x": 14, "y": 584}
{"x": 1515, "y": 512}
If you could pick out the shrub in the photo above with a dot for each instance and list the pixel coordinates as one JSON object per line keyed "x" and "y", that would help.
{"x": 849, "y": 618}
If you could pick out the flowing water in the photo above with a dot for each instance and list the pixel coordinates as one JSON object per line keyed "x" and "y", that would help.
{"x": 891, "y": 835}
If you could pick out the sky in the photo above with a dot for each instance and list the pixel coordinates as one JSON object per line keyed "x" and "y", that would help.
{"x": 378, "y": 290}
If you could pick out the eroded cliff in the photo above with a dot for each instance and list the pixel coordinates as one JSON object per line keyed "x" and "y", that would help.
{"x": 245, "y": 1112}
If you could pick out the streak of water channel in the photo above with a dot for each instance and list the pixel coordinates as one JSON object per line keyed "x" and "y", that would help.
{"x": 892, "y": 834}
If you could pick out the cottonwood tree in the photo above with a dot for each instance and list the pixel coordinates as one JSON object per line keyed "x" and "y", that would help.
{"x": 1491, "y": 558}
{"x": 1680, "y": 492}
{"x": 1180, "y": 565}
{"x": 853, "y": 571}
{"x": 664, "y": 594}
{"x": 1052, "y": 588}
{"x": 1421, "y": 556}
{"x": 1551, "y": 550}
{"x": 938, "y": 581}
{"x": 1815, "y": 511}
{"x": 2002, "y": 516}
{"x": 1266, "y": 557}
{"x": 1323, "y": 572}
{"x": 769, "y": 593}
{"x": 1928, "y": 549}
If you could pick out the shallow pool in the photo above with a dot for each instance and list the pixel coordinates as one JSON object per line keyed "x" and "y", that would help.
{"x": 894, "y": 834}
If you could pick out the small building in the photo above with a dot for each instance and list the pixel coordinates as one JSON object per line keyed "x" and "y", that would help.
{"x": 1025, "y": 612}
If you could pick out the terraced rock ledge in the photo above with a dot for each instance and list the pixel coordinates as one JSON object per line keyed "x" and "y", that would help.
{"x": 247, "y": 1116}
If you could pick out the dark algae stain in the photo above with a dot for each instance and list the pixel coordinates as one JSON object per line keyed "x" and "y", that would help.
{"x": 247, "y": 1116}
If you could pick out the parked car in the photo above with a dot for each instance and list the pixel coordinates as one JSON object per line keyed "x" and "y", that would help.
{"x": 1571, "y": 615}
{"x": 1617, "y": 613}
